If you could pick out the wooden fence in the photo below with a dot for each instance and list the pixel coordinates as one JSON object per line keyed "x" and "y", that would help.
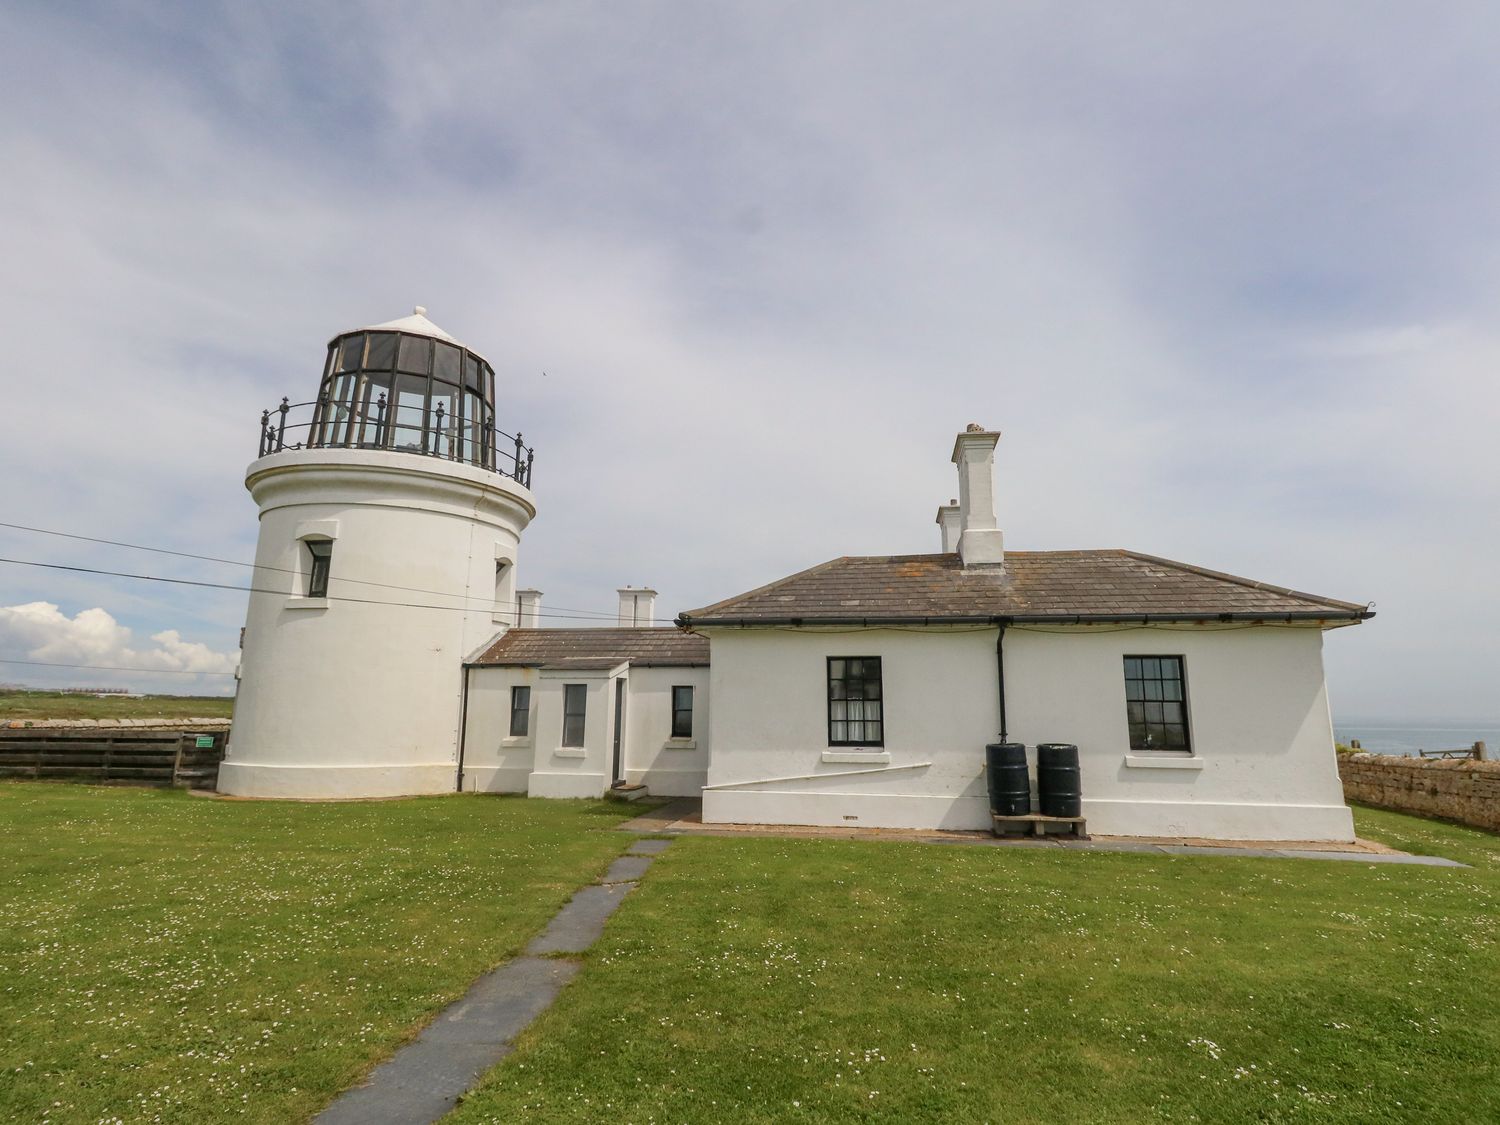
{"x": 184, "y": 759}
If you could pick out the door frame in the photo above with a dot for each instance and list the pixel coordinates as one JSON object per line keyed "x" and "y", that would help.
{"x": 618, "y": 770}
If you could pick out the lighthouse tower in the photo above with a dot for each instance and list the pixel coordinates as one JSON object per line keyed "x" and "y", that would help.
{"x": 391, "y": 512}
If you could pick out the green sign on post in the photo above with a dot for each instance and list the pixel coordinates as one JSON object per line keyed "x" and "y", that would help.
{"x": 205, "y": 742}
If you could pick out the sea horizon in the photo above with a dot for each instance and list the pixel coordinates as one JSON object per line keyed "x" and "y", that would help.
{"x": 1408, "y": 736}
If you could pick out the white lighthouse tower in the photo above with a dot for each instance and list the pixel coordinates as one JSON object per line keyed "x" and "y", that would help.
{"x": 391, "y": 512}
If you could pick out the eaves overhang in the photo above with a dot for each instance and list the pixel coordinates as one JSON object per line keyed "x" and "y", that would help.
{"x": 1332, "y": 619}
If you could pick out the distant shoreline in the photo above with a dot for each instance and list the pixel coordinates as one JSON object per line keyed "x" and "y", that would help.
{"x": 1393, "y": 736}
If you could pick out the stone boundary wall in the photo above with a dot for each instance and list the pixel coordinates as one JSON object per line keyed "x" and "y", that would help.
{"x": 1465, "y": 791}
{"x": 116, "y": 724}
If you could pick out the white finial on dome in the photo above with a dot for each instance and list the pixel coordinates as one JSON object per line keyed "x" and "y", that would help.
{"x": 420, "y": 310}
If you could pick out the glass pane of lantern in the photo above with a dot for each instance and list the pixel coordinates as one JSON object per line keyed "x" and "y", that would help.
{"x": 382, "y": 355}
{"x": 416, "y": 352}
{"x": 444, "y": 395}
{"x": 470, "y": 450}
{"x": 373, "y": 421}
{"x": 352, "y": 352}
{"x": 410, "y": 402}
{"x": 445, "y": 362}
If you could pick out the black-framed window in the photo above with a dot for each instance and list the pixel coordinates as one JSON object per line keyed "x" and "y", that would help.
{"x": 575, "y": 702}
{"x": 520, "y": 711}
{"x": 856, "y": 715}
{"x": 1156, "y": 703}
{"x": 682, "y": 711}
{"x": 320, "y": 556}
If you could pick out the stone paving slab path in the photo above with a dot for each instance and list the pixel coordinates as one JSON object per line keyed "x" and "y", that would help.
{"x": 424, "y": 1080}
{"x": 578, "y": 925}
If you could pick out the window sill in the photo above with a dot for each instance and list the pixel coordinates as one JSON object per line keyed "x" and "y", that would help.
{"x": 857, "y": 757}
{"x": 511, "y": 742}
{"x": 296, "y": 602}
{"x": 1163, "y": 760}
{"x": 570, "y": 752}
{"x": 680, "y": 744}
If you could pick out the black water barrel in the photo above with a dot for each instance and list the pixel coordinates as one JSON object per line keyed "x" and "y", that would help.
{"x": 1005, "y": 771}
{"x": 1059, "y": 789}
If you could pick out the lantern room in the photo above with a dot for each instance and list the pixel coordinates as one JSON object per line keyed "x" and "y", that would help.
{"x": 405, "y": 386}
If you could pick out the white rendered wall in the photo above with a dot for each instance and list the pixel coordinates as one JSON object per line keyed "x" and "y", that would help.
{"x": 668, "y": 767}
{"x": 571, "y": 771}
{"x": 343, "y": 698}
{"x": 497, "y": 763}
{"x": 1262, "y": 767}
{"x": 537, "y": 763}
{"x": 494, "y": 762}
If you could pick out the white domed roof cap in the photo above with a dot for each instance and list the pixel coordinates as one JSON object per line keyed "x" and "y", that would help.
{"x": 417, "y": 324}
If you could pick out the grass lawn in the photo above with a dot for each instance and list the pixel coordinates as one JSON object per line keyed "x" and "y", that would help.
{"x": 756, "y": 980}
{"x": 171, "y": 958}
{"x": 64, "y": 705}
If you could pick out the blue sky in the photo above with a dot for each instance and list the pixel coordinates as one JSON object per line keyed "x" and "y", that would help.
{"x": 1226, "y": 277}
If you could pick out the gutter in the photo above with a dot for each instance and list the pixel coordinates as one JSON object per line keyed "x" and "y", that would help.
{"x": 686, "y": 622}
{"x": 463, "y": 723}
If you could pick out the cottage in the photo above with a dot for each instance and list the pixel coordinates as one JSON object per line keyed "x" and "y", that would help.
{"x": 862, "y": 691}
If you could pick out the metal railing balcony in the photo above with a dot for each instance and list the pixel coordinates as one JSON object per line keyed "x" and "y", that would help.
{"x": 428, "y": 432}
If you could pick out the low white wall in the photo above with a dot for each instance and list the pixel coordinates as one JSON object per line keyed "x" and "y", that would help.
{"x": 1262, "y": 765}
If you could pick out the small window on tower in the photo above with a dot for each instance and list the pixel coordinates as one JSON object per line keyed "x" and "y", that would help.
{"x": 502, "y": 588}
{"x": 320, "y": 552}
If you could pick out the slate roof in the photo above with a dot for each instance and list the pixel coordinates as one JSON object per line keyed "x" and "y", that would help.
{"x": 1056, "y": 586}
{"x": 592, "y": 649}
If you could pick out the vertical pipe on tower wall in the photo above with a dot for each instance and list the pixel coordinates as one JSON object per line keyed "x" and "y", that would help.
{"x": 463, "y": 725}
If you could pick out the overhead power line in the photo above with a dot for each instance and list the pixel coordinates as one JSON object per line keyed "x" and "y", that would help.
{"x": 581, "y": 613}
{"x": 115, "y": 668}
{"x": 252, "y": 589}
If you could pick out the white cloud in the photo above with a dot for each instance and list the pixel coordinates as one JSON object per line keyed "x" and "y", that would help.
{"x": 94, "y": 643}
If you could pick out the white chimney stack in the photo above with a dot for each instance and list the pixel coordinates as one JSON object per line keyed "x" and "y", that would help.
{"x": 637, "y": 606}
{"x": 948, "y": 521}
{"x": 529, "y": 609}
{"x": 980, "y": 541}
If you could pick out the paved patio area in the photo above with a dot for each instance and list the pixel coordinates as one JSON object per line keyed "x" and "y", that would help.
{"x": 683, "y": 816}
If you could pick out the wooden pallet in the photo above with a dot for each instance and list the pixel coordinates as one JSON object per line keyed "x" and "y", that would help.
{"x": 1038, "y": 825}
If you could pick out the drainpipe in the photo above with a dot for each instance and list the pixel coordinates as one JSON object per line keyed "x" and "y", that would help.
{"x": 463, "y": 725}
{"x": 1000, "y": 675}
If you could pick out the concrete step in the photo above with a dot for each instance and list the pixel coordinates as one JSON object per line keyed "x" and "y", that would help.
{"x": 626, "y": 791}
